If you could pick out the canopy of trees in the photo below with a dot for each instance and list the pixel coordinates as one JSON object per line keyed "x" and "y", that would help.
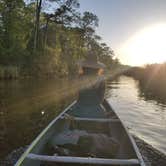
{"x": 47, "y": 37}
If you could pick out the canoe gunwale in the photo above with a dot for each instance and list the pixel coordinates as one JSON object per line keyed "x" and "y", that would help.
{"x": 136, "y": 149}
{"x": 141, "y": 161}
{"x": 19, "y": 162}
{"x": 92, "y": 119}
{"x": 28, "y": 155}
{"x": 82, "y": 160}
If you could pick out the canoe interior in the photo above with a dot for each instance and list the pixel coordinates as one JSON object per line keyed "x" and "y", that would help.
{"x": 112, "y": 129}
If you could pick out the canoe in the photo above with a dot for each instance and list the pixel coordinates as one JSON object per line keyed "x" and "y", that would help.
{"x": 67, "y": 129}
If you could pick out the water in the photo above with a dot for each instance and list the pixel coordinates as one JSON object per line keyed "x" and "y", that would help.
{"x": 144, "y": 117}
{"x": 26, "y": 107}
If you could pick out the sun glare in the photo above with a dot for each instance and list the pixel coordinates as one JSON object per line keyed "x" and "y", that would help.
{"x": 146, "y": 46}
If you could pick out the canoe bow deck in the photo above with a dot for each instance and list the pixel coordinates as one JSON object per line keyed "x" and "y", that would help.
{"x": 41, "y": 151}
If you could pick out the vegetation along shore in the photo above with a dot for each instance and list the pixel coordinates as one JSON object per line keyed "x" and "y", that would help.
{"x": 41, "y": 41}
{"x": 151, "y": 79}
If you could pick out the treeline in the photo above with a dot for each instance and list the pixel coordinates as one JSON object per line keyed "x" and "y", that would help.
{"x": 47, "y": 38}
{"x": 152, "y": 79}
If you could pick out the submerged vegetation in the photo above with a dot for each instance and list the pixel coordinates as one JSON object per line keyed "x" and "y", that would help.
{"x": 152, "y": 80}
{"x": 47, "y": 38}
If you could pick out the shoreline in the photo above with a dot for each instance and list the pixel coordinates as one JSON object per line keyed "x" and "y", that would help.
{"x": 151, "y": 156}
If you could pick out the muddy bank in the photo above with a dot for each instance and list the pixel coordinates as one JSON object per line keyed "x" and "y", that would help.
{"x": 151, "y": 156}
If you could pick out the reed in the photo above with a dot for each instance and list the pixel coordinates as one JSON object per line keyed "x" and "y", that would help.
{"x": 152, "y": 78}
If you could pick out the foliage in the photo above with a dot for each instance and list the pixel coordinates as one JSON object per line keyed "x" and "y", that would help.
{"x": 15, "y": 27}
{"x": 44, "y": 41}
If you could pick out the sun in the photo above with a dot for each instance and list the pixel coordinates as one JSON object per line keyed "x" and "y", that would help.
{"x": 146, "y": 46}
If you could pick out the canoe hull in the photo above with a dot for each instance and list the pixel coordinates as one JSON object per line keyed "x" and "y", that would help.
{"x": 112, "y": 127}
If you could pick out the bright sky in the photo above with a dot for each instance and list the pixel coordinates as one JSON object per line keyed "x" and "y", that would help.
{"x": 134, "y": 29}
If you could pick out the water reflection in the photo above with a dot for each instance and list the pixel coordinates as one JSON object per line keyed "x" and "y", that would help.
{"x": 145, "y": 117}
{"x": 27, "y": 107}
{"x": 149, "y": 94}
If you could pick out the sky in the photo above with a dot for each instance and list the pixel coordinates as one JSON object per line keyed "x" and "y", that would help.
{"x": 121, "y": 21}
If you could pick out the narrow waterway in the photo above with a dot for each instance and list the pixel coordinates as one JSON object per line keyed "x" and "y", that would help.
{"x": 26, "y": 107}
{"x": 144, "y": 117}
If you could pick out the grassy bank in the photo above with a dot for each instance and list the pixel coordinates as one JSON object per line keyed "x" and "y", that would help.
{"x": 152, "y": 78}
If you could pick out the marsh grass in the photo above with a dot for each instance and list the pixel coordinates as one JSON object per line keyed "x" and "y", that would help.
{"x": 152, "y": 78}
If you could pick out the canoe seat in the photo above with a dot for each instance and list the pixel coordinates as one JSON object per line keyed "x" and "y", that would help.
{"x": 67, "y": 116}
{"x": 82, "y": 160}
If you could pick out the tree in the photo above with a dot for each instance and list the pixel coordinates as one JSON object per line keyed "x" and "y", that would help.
{"x": 61, "y": 36}
{"x": 15, "y": 23}
{"x": 64, "y": 15}
{"x": 37, "y": 24}
{"x": 87, "y": 23}
{"x": 61, "y": 15}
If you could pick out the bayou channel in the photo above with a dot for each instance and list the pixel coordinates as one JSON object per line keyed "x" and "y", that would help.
{"x": 27, "y": 106}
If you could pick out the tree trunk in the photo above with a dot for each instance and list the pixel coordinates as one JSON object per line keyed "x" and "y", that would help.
{"x": 45, "y": 34}
{"x": 37, "y": 24}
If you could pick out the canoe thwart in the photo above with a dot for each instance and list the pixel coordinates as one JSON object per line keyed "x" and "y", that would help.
{"x": 82, "y": 160}
{"x": 67, "y": 116}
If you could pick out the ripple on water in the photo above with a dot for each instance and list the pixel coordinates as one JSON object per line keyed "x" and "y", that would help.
{"x": 145, "y": 118}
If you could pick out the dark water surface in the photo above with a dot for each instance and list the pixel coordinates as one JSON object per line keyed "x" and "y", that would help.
{"x": 26, "y": 107}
